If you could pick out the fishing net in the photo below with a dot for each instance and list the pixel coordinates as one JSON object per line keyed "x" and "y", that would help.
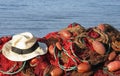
{"x": 95, "y": 47}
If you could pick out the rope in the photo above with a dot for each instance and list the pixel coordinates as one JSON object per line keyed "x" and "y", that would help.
{"x": 61, "y": 66}
{"x": 109, "y": 48}
{"x": 47, "y": 70}
{"x": 79, "y": 40}
{"x": 104, "y": 37}
{"x": 74, "y": 53}
{"x": 65, "y": 68}
{"x": 11, "y": 73}
{"x": 105, "y": 70}
{"x": 69, "y": 55}
{"x": 12, "y": 67}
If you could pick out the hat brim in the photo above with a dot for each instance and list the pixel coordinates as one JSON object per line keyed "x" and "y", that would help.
{"x": 8, "y": 53}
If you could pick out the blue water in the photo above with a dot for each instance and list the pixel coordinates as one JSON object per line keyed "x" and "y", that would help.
{"x": 43, "y": 16}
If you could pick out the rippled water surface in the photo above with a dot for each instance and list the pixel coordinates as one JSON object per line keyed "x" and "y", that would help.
{"x": 43, "y": 16}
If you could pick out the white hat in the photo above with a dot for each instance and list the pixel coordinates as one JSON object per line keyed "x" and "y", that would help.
{"x": 22, "y": 47}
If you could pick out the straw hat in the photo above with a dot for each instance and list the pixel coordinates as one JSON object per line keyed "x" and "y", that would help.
{"x": 22, "y": 47}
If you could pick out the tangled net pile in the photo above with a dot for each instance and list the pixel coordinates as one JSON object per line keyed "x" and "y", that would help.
{"x": 72, "y": 51}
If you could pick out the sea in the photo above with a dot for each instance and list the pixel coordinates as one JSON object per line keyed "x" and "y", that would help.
{"x": 41, "y": 17}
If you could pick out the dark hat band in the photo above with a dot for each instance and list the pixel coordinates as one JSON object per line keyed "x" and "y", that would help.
{"x": 25, "y": 51}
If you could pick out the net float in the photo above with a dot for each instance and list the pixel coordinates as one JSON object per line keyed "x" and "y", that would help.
{"x": 51, "y": 49}
{"x": 112, "y": 55}
{"x": 65, "y": 34}
{"x": 98, "y": 47}
{"x": 113, "y": 66}
{"x": 101, "y": 27}
{"x": 58, "y": 45}
{"x": 56, "y": 72}
{"x": 83, "y": 67}
{"x": 34, "y": 62}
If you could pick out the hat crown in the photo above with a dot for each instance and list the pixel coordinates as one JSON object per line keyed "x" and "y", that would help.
{"x": 23, "y": 40}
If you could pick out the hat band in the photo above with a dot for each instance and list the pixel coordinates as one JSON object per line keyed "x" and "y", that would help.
{"x": 25, "y": 51}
